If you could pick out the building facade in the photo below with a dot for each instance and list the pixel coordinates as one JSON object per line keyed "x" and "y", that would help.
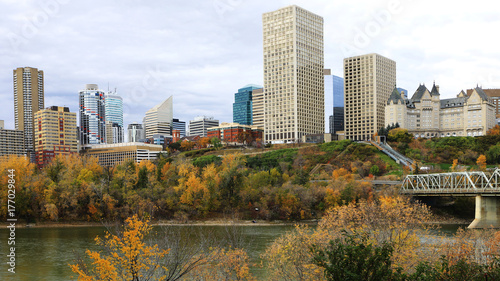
{"x": 158, "y": 120}
{"x": 55, "y": 134}
{"x": 11, "y": 141}
{"x": 258, "y": 107}
{"x": 368, "y": 83}
{"x": 112, "y": 154}
{"x": 242, "y": 106}
{"x": 114, "y": 133}
{"x": 293, "y": 74}
{"x": 334, "y": 102}
{"x": 135, "y": 132}
{"x": 494, "y": 95}
{"x": 114, "y": 115}
{"x": 179, "y": 125}
{"x": 236, "y": 133}
{"x": 28, "y": 99}
{"x": 426, "y": 115}
{"x": 92, "y": 115}
{"x": 200, "y": 125}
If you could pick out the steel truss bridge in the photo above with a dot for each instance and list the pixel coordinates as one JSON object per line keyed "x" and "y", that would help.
{"x": 455, "y": 183}
{"x": 484, "y": 186}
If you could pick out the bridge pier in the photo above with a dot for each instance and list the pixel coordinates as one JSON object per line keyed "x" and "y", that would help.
{"x": 487, "y": 212}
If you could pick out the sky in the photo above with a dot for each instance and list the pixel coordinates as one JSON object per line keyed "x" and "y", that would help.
{"x": 202, "y": 51}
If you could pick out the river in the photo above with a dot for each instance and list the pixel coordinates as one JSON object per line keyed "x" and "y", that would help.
{"x": 44, "y": 253}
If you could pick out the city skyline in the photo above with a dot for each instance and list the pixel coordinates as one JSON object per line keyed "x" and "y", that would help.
{"x": 195, "y": 51}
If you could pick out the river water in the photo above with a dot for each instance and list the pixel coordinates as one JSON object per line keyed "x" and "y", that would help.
{"x": 44, "y": 253}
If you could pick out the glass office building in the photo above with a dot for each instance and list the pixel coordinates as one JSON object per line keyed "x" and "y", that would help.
{"x": 334, "y": 102}
{"x": 242, "y": 106}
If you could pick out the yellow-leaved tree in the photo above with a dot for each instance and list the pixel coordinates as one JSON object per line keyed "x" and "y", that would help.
{"x": 125, "y": 256}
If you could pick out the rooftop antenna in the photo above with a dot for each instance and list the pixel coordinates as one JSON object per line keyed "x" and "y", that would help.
{"x": 108, "y": 87}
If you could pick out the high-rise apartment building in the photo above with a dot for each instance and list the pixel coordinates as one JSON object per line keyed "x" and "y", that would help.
{"x": 258, "y": 107}
{"x": 200, "y": 124}
{"x": 179, "y": 125}
{"x": 334, "y": 102}
{"x": 293, "y": 74}
{"x": 11, "y": 141}
{"x": 92, "y": 115}
{"x": 158, "y": 120}
{"x": 114, "y": 115}
{"x": 368, "y": 83}
{"x": 242, "y": 106}
{"x": 135, "y": 132}
{"x": 28, "y": 99}
{"x": 55, "y": 134}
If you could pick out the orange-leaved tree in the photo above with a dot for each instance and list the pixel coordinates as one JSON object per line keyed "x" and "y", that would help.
{"x": 481, "y": 162}
{"x": 495, "y": 131}
{"x": 124, "y": 256}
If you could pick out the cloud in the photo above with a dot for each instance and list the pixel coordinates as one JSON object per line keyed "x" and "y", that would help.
{"x": 203, "y": 51}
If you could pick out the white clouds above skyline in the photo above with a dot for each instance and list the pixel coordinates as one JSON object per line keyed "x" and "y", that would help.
{"x": 201, "y": 52}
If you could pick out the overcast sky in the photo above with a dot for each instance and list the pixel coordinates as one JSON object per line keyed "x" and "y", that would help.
{"x": 202, "y": 51}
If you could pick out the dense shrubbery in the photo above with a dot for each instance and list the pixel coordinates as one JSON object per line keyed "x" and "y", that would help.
{"x": 444, "y": 150}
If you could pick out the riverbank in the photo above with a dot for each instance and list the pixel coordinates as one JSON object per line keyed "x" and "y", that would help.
{"x": 213, "y": 222}
{"x": 163, "y": 223}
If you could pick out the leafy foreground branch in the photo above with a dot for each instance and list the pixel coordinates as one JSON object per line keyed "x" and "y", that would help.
{"x": 134, "y": 253}
{"x": 382, "y": 240}
{"x": 354, "y": 258}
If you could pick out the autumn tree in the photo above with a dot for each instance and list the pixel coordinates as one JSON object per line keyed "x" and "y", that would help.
{"x": 203, "y": 142}
{"x": 495, "y": 131}
{"x": 124, "y": 256}
{"x": 391, "y": 220}
{"x": 18, "y": 171}
{"x": 481, "y": 162}
{"x": 454, "y": 166}
{"x": 244, "y": 137}
{"x": 230, "y": 179}
{"x": 187, "y": 145}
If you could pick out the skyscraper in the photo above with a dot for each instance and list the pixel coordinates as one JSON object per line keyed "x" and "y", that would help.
{"x": 158, "y": 120}
{"x": 92, "y": 115}
{"x": 242, "y": 106}
{"x": 135, "y": 132}
{"x": 55, "y": 134}
{"x": 369, "y": 81}
{"x": 114, "y": 115}
{"x": 28, "y": 99}
{"x": 293, "y": 74}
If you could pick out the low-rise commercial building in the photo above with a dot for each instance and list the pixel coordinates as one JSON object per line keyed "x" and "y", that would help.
{"x": 236, "y": 133}
{"x": 113, "y": 154}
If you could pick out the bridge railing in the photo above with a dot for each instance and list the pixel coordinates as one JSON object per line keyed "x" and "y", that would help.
{"x": 454, "y": 182}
